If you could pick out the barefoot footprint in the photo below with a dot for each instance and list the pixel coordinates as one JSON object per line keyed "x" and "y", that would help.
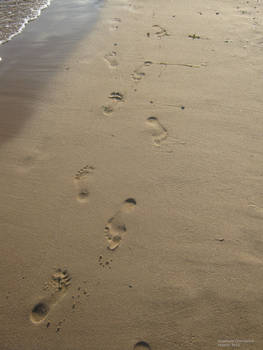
{"x": 61, "y": 280}
{"x": 159, "y": 133}
{"x": 114, "y": 23}
{"x": 142, "y": 345}
{"x": 111, "y": 59}
{"x": 107, "y": 110}
{"x": 116, "y": 96}
{"x": 116, "y": 227}
{"x": 137, "y": 75}
{"x": 81, "y": 180}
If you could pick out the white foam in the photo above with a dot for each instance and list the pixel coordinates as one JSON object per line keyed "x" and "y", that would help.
{"x": 33, "y": 15}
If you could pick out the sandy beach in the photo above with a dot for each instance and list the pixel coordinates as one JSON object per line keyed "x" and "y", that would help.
{"x": 131, "y": 198}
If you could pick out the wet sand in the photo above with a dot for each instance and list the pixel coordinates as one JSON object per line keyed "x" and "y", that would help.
{"x": 34, "y": 56}
{"x": 131, "y": 209}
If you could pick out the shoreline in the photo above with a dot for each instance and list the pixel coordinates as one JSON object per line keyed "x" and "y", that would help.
{"x": 31, "y": 59}
{"x": 134, "y": 219}
{"x": 33, "y": 16}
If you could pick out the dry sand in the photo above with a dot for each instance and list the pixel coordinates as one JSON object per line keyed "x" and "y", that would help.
{"x": 131, "y": 202}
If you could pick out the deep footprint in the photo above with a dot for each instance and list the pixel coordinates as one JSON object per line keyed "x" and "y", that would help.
{"x": 81, "y": 181}
{"x": 116, "y": 96}
{"x": 158, "y": 131}
{"x": 142, "y": 345}
{"x": 60, "y": 282}
{"x": 115, "y": 228}
{"x": 39, "y": 312}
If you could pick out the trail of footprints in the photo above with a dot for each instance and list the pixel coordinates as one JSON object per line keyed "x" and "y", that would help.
{"x": 115, "y": 228}
{"x": 157, "y": 130}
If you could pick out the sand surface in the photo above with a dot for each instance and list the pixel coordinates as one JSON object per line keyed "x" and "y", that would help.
{"x": 131, "y": 200}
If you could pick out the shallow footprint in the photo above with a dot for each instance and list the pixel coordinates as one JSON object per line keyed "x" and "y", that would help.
{"x": 142, "y": 345}
{"x": 60, "y": 282}
{"x": 137, "y": 75}
{"x": 255, "y": 211}
{"x": 116, "y": 227}
{"x": 161, "y": 32}
{"x": 81, "y": 180}
{"x": 111, "y": 59}
{"x": 158, "y": 131}
{"x": 107, "y": 110}
{"x": 114, "y": 23}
